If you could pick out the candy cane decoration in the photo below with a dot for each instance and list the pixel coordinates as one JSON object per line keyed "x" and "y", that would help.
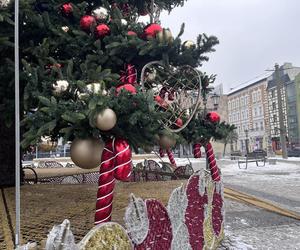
{"x": 214, "y": 171}
{"x": 197, "y": 150}
{"x": 115, "y": 164}
{"x": 161, "y": 152}
{"x": 171, "y": 157}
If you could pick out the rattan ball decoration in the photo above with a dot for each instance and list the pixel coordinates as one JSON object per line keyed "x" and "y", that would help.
{"x": 106, "y": 119}
{"x": 86, "y": 153}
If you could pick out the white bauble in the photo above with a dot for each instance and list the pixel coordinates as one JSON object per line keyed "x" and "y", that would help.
{"x": 124, "y": 22}
{"x": 60, "y": 86}
{"x": 65, "y": 28}
{"x": 189, "y": 45}
{"x": 101, "y": 14}
{"x": 106, "y": 119}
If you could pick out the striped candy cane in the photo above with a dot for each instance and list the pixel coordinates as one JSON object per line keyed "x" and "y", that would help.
{"x": 171, "y": 157}
{"x": 161, "y": 152}
{"x": 115, "y": 164}
{"x": 197, "y": 150}
{"x": 214, "y": 171}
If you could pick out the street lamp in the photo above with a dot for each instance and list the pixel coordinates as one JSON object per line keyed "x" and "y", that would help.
{"x": 216, "y": 100}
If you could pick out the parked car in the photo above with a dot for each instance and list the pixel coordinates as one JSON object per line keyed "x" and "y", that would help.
{"x": 260, "y": 152}
{"x": 293, "y": 152}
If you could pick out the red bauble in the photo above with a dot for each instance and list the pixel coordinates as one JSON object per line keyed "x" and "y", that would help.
{"x": 102, "y": 30}
{"x": 86, "y": 22}
{"x": 151, "y": 30}
{"x": 128, "y": 87}
{"x": 179, "y": 122}
{"x": 213, "y": 117}
{"x": 131, "y": 33}
{"x": 67, "y": 9}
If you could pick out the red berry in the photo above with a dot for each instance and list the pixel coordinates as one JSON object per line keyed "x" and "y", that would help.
{"x": 86, "y": 22}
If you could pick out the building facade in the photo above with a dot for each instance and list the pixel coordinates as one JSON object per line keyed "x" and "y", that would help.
{"x": 247, "y": 109}
{"x": 290, "y": 106}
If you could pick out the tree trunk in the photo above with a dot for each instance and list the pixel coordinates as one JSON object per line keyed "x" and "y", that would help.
{"x": 7, "y": 155}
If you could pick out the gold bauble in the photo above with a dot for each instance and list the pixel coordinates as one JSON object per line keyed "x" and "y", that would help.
{"x": 165, "y": 36}
{"x": 47, "y": 144}
{"x": 166, "y": 142}
{"x": 86, "y": 153}
{"x": 188, "y": 45}
{"x": 106, "y": 119}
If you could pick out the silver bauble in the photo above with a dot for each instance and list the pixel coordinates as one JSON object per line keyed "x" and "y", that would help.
{"x": 106, "y": 119}
{"x": 86, "y": 153}
{"x": 101, "y": 14}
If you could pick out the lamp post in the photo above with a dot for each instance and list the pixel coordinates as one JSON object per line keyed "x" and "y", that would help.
{"x": 247, "y": 142}
{"x": 216, "y": 100}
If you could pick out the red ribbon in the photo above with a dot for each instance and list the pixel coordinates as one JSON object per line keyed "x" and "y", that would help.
{"x": 214, "y": 170}
{"x": 116, "y": 164}
{"x": 129, "y": 75}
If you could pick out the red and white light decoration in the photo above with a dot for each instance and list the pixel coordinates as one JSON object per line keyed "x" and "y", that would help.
{"x": 116, "y": 164}
{"x": 214, "y": 171}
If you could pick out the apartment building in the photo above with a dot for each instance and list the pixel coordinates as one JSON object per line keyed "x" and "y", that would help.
{"x": 247, "y": 110}
{"x": 290, "y": 89}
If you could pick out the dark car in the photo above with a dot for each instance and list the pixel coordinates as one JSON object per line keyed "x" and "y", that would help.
{"x": 293, "y": 152}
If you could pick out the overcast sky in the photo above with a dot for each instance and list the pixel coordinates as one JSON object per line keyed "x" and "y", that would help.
{"x": 253, "y": 34}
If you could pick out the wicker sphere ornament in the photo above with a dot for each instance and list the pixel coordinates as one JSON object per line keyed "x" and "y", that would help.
{"x": 165, "y": 36}
{"x": 151, "y": 30}
{"x": 102, "y": 30}
{"x": 166, "y": 142}
{"x": 213, "y": 117}
{"x": 86, "y": 153}
{"x": 101, "y": 14}
{"x": 189, "y": 44}
{"x": 86, "y": 22}
{"x": 67, "y": 9}
{"x": 106, "y": 119}
{"x": 176, "y": 90}
{"x": 60, "y": 86}
{"x": 179, "y": 123}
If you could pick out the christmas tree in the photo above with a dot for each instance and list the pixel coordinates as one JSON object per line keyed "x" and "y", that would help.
{"x": 81, "y": 70}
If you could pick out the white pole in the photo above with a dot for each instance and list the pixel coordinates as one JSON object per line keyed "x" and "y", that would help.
{"x": 17, "y": 124}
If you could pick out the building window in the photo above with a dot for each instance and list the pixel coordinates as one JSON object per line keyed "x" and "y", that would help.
{"x": 262, "y": 125}
{"x": 260, "y": 110}
{"x": 274, "y": 118}
{"x": 273, "y": 93}
{"x": 274, "y": 105}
